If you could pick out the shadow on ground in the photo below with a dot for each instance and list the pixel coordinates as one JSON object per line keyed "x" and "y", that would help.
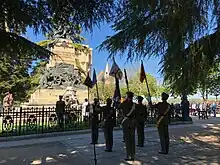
{"x": 188, "y": 146}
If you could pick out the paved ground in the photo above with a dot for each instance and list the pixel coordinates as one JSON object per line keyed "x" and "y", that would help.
{"x": 198, "y": 143}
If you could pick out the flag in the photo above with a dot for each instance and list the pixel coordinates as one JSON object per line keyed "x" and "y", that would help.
{"x": 126, "y": 78}
{"x": 94, "y": 78}
{"x": 142, "y": 73}
{"x": 116, "y": 71}
{"x": 88, "y": 81}
{"x": 117, "y": 93}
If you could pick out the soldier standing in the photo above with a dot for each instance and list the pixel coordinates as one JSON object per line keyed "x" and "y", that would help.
{"x": 60, "y": 109}
{"x": 128, "y": 125}
{"x": 163, "y": 122}
{"x": 141, "y": 112}
{"x": 95, "y": 121}
{"x": 109, "y": 118}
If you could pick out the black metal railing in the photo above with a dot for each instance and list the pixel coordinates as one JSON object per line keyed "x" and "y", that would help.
{"x": 39, "y": 120}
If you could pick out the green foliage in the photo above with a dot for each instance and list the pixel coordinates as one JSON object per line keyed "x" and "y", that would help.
{"x": 44, "y": 16}
{"x": 36, "y": 73}
{"x": 174, "y": 30}
{"x": 18, "y": 53}
{"x": 14, "y": 76}
{"x": 140, "y": 88}
{"x": 135, "y": 86}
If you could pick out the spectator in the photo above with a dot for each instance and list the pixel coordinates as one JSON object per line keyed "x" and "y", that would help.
{"x": 60, "y": 110}
{"x": 8, "y": 101}
{"x": 214, "y": 107}
{"x": 85, "y": 109}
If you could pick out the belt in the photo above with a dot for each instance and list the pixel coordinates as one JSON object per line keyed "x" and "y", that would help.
{"x": 130, "y": 117}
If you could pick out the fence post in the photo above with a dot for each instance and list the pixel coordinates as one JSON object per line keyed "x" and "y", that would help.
{"x": 19, "y": 128}
{"x": 42, "y": 120}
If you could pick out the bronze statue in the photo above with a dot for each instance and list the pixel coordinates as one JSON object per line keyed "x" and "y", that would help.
{"x": 61, "y": 76}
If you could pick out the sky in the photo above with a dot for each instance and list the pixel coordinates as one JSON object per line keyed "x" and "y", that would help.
{"x": 99, "y": 60}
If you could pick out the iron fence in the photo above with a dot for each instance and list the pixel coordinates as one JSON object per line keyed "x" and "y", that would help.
{"x": 39, "y": 120}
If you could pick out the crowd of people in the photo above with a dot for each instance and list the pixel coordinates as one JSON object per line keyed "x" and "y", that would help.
{"x": 210, "y": 107}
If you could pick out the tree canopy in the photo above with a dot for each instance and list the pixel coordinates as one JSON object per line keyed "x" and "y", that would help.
{"x": 46, "y": 17}
{"x": 184, "y": 33}
{"x": 135, "y": 86}
{"x": 42, "y": 16}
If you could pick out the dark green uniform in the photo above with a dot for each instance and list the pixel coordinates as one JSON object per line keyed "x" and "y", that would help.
{"x": 163, "y": 126}
{"x": 109, "y": 118}
{"x": 141, "y": 112}
{"x": 128, "y": 126}
{"x": 60, "y": 109}
{"x": 95, "y": 123}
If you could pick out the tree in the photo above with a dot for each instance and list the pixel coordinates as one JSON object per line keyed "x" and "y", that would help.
{"x": 41, "y": 16}
{"x": 135, "y": 86}
{"x": 166, "y": 28}
{"x": 106, "y": 91}
{"x": 14, "y": 75}
{"x": 174, "y": 30}
{"x": 18, "y": 53}
{"x": 140, "y": 88}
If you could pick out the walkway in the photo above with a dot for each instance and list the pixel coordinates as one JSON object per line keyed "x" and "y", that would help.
{"x": 198, "y": 143}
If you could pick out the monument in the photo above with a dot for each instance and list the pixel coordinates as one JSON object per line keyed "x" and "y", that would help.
{"x": 64, "y": 73}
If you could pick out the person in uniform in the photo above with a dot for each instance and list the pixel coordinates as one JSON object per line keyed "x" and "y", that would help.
{"x": 109, "y": 118}
{"x": 163, "y": 111}
{"x": 95, "y": 121}
{"x": 128, "y": 124}
{"x": 60, "y": 110}
{"x": 141, "y": 113}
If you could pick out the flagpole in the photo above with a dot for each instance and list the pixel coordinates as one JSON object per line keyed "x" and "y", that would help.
{"x": 97, "y": 90}
{"x": 147, "y": 87}
{"x": 94, "y": 80}
{"x": 143, "y": 74}
{"x": 126, "y": 79}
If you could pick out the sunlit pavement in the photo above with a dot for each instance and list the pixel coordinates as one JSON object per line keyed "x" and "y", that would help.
{"x": 197, "y": 143}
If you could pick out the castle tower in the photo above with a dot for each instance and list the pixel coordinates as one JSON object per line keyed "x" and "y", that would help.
{"x": 106, "y": 74}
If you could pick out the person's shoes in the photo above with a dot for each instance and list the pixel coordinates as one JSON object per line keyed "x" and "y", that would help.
{"x": 94, "y": 143}
{"x": 161, "y": 152}
{"x": 129, "y": 159}
{"x": 140, "y": 145}
{"x": 108, "y": 150}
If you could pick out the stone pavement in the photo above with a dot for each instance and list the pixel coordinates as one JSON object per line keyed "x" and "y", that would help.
{"x": 197, "y": 143}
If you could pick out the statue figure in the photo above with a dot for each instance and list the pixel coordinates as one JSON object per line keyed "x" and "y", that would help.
{"x": 185, "y": 108}
{"x": 60, "y": 76}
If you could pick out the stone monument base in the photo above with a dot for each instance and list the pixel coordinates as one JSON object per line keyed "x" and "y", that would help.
{"x": 50, "y": 96}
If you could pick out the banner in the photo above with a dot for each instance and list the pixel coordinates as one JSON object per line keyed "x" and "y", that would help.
{"x": 94, "y": 78}
{"x": 142, "y": 73}
{"x": 88, "y": 81}
{"x": 116, "y": 71}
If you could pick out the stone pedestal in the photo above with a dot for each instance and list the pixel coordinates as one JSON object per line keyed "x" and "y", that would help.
{"x": 50, "y": 96}
{"x": 68, "y": 53}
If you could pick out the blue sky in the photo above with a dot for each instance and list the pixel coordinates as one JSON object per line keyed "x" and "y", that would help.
{"x": 100, "y": 58}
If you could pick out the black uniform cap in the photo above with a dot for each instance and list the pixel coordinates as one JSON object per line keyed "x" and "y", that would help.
{"x": 164, "y": 96}
{"x": 140, "y": 98}
{"x": 96, "y": 100}
{"x": 130, "y": 94}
